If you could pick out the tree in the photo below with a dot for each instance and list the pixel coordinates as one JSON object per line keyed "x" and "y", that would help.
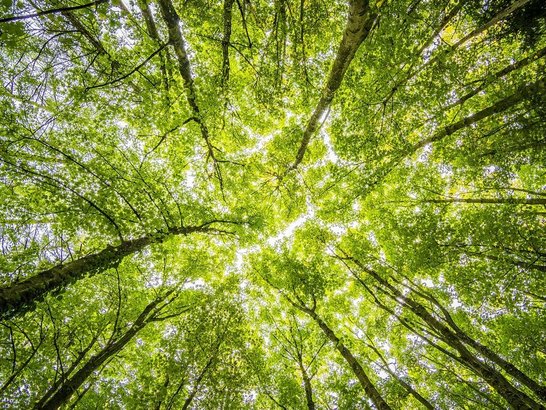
{"x": 272, "y": 204}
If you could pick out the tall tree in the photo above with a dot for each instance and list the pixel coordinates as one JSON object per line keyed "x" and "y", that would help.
{"x": 348, "y": 194}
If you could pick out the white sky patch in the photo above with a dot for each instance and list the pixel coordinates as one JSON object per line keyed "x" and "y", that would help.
{"x": 355, "y": 303}
{"x": 124, "y": 37}
{"x": 261, "y": 141}
{"x": 427, "y": 282}
{"x": 382, "y": 373}
{"x": 382, "y": 256}
{"x": 430, "y": 49}
{"x": 240, "y": 255}
{"x": 170, "y": 331}
{"x": 250, "y": 396}
{"x": 121, "y": 123}
{"x": 372, "y": 238}
{"x": 445, "y": 170}
{"x": 155, "y": 280}
{"x": 330, "y": 152}
{"x": 337, "y": 230}
{"x": 291, "y": 228}
{"x": 189, "y": 180}
{"x": 451, "y": 97}
{"x": 427, "y": 150}
{"x": 194, "y": 284}
{"x": 489, "y": 170}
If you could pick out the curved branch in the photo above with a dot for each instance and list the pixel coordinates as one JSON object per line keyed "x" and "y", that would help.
{"x": 359, "y": 24}
{"x": 52, "y": 11}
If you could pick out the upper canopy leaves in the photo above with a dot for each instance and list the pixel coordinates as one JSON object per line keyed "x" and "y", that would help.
{"x": 260, "y": 204}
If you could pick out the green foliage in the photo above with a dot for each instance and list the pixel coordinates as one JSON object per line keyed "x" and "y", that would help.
{"x": 421, "y": 196}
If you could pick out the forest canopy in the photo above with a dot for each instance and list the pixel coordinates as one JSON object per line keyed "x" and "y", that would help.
{"x": 262, "y": 204}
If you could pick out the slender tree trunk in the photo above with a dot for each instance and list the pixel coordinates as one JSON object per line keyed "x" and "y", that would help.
{"x": 197, "y": 382}
{"x": 228, "y": 5}
{"x": 497, "y": 76}
{"x": 172, "y": 20}
{"x": 357, "y": 369}
{"x": 514, "y": 397}
{"x": 151, "y": 28}
{"x": 69, "y": 386}
{"x": 521, "y": 264}
{"x": 22, "y": 296}
{"x": 403, "y": 383}
{"x": 508, "y": 367}
{"x": 16, "y": 372}
{"x": 523, "y": 93}
{"x": 519, "y": 201}
{"x": 444, "y": 54}
{"x": 306, "y": 385}
{"x": 499, "y": 17}
{"x": 359, "y": 24}
{"x": 409, "y": 72}
{"x": 65, "y": 375}
{"x": 78, "y": 25}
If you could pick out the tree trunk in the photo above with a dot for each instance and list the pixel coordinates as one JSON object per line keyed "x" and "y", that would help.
{"x": 402, "y": 382}
{"x": 508, "y": 367}
{"x": 524, "y": 92}
{"x": 73, "y": 366}
{"x": 409, "y": 72}
{"x": 52, "y": 11}
{"x": 444, "y": 54}
{"x": 357, "y": 369}
{"x": 151, "y": 28}
{"x": 519, "y": 201}
{"x": 497, "y": 76}
{"x": 514, "y": 397}
{"x": 195, "y": 389}
{"x": 69, "y": 387}
{"x": 172, "y": 20}
{"x": 228, "y": 5}
{"x": 22, "y": 296}
{"x": 359, "y": 24}
{"x": 307, "y": 386}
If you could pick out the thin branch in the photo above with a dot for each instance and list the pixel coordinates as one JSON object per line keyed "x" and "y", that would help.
{"x": 123, "y": 77}
{"x": 52, "y": 11}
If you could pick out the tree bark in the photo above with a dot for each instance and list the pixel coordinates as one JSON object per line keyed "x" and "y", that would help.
{"x": 409, "y": 72}
{"x": 69, "y": 387}
{"x": 476, "y": 32}
{"x": 306, "y": 385}
{"x": 523, "y": 93}
{"x": 73, "y": 366}
{"x": 515, "y": 201}
{"x": 497, "y": 76}
{"x": 151, "y": 28}
{"x": 402, "y": 382}
{"x": 357, "y": 369}
{"x": 195, "y": 388}
{"x": 359, "y": 24}
{"x": 514, "y": 397}
{"x": 228, "y": 5}
{"x": 22, "y": 296}
{"x": 172, "y": 20}
{"x": 521, "y": 264}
